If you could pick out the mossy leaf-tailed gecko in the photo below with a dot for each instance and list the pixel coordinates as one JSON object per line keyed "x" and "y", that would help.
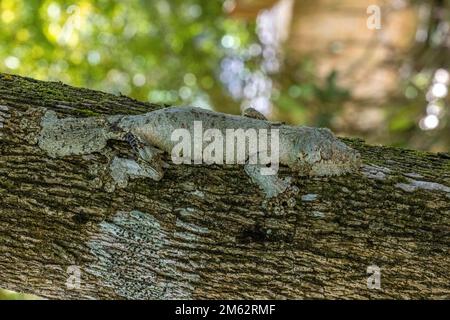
{"x": 306, "y": 151}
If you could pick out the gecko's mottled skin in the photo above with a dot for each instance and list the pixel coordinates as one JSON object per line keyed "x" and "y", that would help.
{"x": 306, "y": 151}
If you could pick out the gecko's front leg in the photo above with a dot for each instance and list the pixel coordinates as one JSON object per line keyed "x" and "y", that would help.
{"x": 270, "y": 184}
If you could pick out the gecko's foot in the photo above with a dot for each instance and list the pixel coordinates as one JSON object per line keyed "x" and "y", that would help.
{"x": 272, "y": 186}
{"x": 153, "y": 169}
{"x": 283, "y": 200}
{"x": 122, "y": 170}
{"x": 149, "y": 153}
{"x": 148, "y": 157}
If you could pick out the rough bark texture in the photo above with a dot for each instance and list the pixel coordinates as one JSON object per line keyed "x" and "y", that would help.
{"x": 202, "y": 232}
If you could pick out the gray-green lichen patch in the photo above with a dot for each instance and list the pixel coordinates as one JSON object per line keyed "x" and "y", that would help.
{"x": 318, "y": 214}
{"x": 191, "y": 228}
{"x": 3, "y": 116}
{"x": 124, "y": 169}
{"x": 413, "y": 175}
{"x": 373, "y": 171}
{"x": 64, "y": 107}
{"x": 72, "y": 136}
{"x": 198, "y": 194}
{"x": 414, "y": 185}
{"x": 186, "y": 212}
{"x": 309, "y": 197}
{"x": 135, "y": 259}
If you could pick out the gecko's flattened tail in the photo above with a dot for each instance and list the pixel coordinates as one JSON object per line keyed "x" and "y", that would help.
{"x": 72, "y": 136}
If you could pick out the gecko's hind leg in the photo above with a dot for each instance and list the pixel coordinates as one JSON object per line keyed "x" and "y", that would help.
{"x": 253, "y": 113}
{"x": 148, "y": 157}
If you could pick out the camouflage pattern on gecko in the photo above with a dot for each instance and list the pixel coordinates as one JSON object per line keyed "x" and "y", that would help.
{"x": 306, "y": 151}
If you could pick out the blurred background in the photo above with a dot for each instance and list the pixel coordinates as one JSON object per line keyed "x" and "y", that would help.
{"x": 375, "y": 69}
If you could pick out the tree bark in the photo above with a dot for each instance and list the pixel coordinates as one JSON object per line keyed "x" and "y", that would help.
{"x": 202, "y": 231}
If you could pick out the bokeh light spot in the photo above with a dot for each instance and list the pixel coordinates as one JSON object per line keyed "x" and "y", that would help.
{"x": 430, "y": 122}
{"x": 139, "y": 80}
{"x": 12, "y": 62}
{"x": 439, "y": 90}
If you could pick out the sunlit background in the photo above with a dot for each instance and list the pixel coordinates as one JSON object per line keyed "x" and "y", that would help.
{"x": 309, "y": 62}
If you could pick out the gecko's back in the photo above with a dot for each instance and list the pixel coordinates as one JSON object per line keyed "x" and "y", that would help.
{"x": 157, "y": 126}
{"x": 307, "y": 150}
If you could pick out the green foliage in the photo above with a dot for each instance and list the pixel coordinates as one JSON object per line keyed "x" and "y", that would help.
{"x": 163, "y": 51}
{"x": 10, "y": 295}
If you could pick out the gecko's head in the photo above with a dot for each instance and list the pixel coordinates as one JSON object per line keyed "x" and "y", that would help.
{"x": 319, "y": 153}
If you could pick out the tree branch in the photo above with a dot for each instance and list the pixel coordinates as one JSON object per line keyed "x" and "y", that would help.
{"x": 202, "y": 232}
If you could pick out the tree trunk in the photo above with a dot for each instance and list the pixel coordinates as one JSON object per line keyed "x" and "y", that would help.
{"x": 202, "y": 231}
